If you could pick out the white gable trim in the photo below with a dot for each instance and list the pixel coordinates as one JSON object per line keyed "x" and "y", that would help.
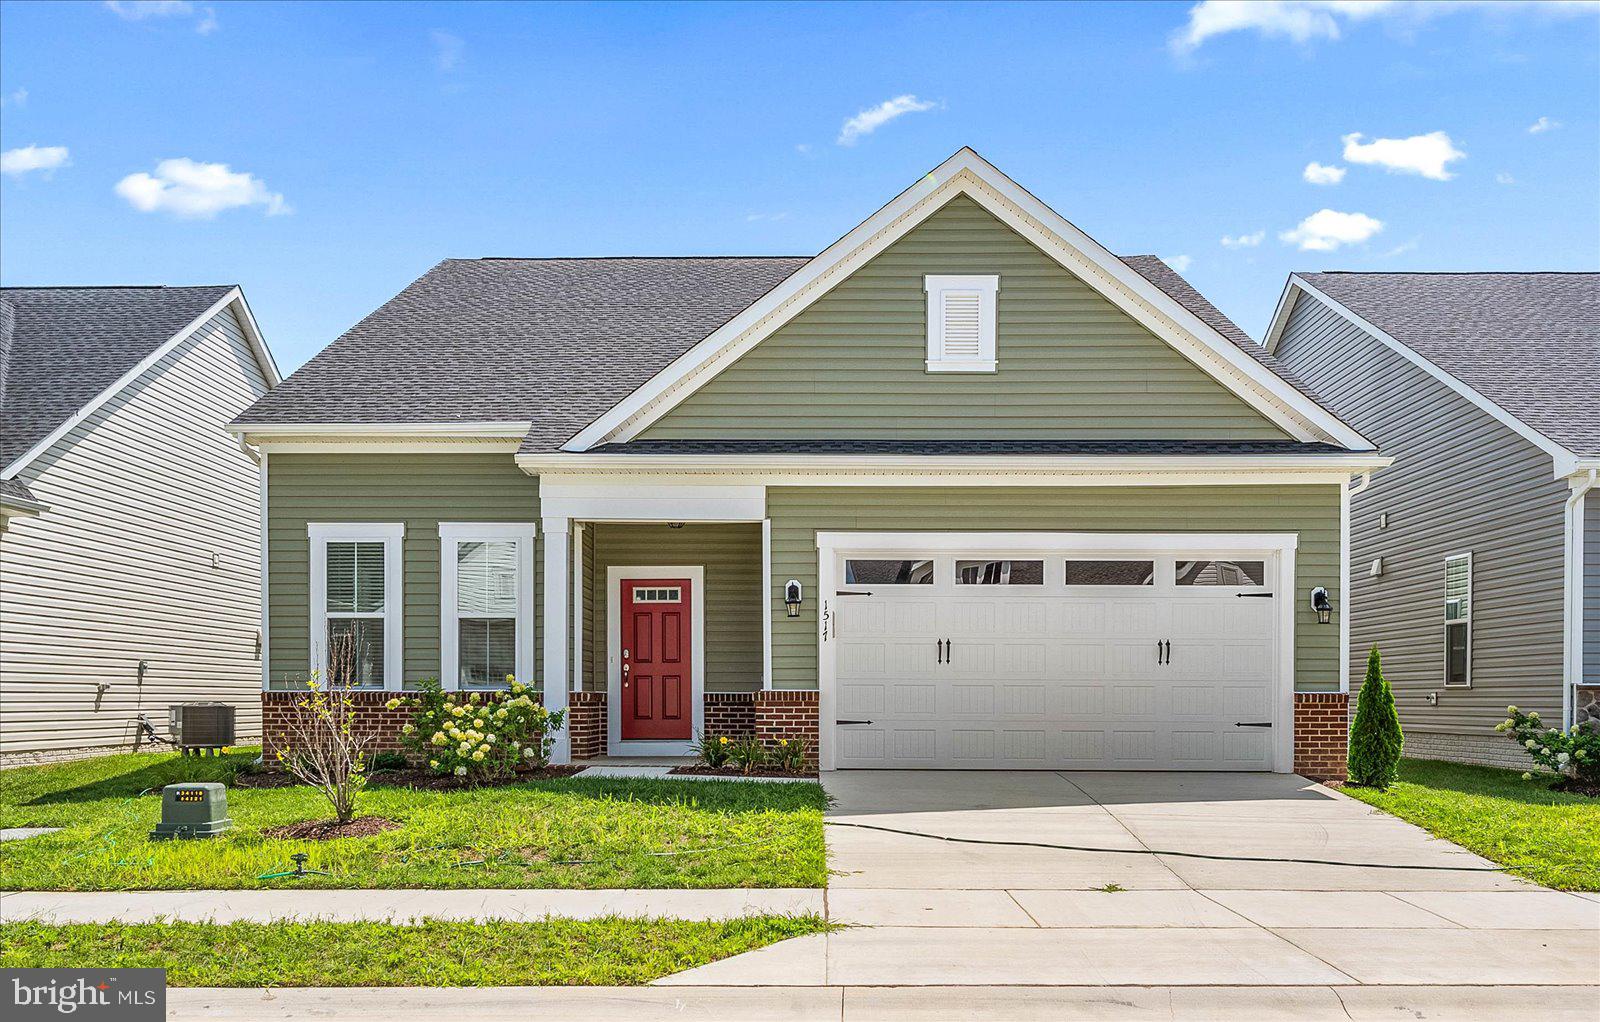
{"x": 967, "y": 173}
{"x": 247, "y": 322}
{"x": 1565, "y": 461}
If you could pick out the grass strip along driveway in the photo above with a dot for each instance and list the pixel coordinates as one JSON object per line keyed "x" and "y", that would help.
{"x": 1549, "y": 837}
{"x": 571, "y": 833}
{"x": 600, "y": 952}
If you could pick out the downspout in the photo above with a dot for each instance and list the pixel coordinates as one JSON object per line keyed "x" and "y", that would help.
{"x": 1572, "y": 610}
{"x": 1344, "y": 576}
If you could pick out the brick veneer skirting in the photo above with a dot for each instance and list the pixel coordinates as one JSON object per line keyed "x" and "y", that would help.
{"x": 586, "y": 724}
{"x": 782, "y": 713}
{"x": 372, "y": 718}
{"x": 1321, "y": 735}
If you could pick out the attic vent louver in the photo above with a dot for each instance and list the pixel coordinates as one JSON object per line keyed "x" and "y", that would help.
{"x": 961, "y": 323}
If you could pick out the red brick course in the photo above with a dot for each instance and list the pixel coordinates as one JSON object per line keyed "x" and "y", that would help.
{"x": 1321, "y": 735}
{"x": 784, "y": 713}
{"x": 372, "y": 718}
{"x": 731, "y": 714}
{"x": 586, "y": 724}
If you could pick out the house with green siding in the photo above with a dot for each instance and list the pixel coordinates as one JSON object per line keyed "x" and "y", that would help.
{"x": 963, "y": 491}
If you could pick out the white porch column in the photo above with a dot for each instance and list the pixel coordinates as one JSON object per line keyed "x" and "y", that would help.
{"x": 557, "y": 565}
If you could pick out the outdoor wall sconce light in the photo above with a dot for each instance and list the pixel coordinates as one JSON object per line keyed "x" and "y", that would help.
{"x": 792, "y": 594}
{"x": 1322, "y": 605}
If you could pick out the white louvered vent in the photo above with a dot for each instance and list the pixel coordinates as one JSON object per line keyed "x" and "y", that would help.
{"x": 961, "y": 323}
{"x": 961, "y": 319}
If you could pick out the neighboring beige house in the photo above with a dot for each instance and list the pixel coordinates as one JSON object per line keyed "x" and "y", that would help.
{"x": 965, "y": 490}
{"x": 1476, "y": 557}
{"x": 130, "y": 544}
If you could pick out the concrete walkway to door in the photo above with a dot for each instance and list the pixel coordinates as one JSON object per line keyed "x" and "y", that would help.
{"x": 1174, "y": 894}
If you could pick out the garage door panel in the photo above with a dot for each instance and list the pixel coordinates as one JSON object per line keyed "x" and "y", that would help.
{"x": 1069, "y": 679}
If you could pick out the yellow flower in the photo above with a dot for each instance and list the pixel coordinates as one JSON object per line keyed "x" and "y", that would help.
{"x": 477, "y": 757}
{"x": 433, "y": 764}
{"x": 392, "y": 704}
{"x": 723, "y": 740}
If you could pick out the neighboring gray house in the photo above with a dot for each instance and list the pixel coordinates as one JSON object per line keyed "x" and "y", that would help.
{"x": 1475, "y": 559}
{"x": 130, "y": 550}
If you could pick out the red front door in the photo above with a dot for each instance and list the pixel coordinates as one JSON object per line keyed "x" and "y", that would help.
{"x": 657, "y": 687}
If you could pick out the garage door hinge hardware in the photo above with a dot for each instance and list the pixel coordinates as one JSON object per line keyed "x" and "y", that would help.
{"x": 1255, "y": 723}
{"x": 852, "y": 722}
{"x": 1256, "y": 596}
{"x": 841, "y": 592}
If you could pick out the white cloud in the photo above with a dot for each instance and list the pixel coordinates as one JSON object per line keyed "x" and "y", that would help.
{"x": 448, "y": 50}
{"x": 1250, "y": 240}
{"x": 1504, "y": 178}
{"x": 1327, "y": 229}
{"x": 143, "y": 10}
{"x": 1302, "y": 21}
{"x": 1321, "y": 174}
{"x": 1178, "y": 262}
{"x": 803, "y": 148}
{"x": 1401, "y": 249}
{"x": 197, "y": 191}
{"x": 1543, "y": 125}
{"x": 1428, "y": 155}
{"x": 28, "y": 159}
{"x": 752, "y": 218}
{"x": 17, "y": 98}
{"x": 873, "y": 118}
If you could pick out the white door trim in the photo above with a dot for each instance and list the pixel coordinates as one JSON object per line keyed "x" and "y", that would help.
{"x": 615, "y": 574}
{"x": 1278, "y": 548}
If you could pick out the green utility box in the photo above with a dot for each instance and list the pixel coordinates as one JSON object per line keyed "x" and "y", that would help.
{"x": 193, "y": 810}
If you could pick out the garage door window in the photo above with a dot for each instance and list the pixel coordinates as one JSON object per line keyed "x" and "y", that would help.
{"x": 1222, "y": 573}
{"x": 888, "y": 573}
{"x": 1111, "y": 573}
{"x": 1000, "y": 573}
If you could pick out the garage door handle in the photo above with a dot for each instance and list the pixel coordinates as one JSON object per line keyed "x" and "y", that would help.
{"x": 1255, "y": 723}
{"x": 1160, "y": 656}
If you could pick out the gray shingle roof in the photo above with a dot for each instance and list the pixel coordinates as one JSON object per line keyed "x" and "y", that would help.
{"x": 12, "y": 493}
{"x": 1529, "y": 342}
{"x": 62, "y": 346}
{"x": 556, "y": 342}
{"x": 970, "y": 448}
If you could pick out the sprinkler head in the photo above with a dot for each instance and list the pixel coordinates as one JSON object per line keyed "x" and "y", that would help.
{"x": 299, "y": 860}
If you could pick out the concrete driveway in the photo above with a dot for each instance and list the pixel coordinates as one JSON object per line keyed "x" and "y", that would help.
{"x": 1181, "y": 887}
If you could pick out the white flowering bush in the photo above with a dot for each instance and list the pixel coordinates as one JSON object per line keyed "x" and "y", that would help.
{"x": 468, "y": 736}
{"x": 1574, "y": 753}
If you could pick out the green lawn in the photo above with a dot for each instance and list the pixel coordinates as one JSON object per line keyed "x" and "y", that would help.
{"x": 570, "y": 833}
{"x": 601, "y": 952}
{"x": 1549, "y": 837}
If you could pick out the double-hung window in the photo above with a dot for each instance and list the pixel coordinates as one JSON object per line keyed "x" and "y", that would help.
{"x": 356, "y": 603}
{"x": 1458, "y": 620}
{"x": 486, "y": 603}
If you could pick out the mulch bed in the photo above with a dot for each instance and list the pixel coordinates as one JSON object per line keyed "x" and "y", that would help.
{"x": 327, "y": 830}
{"x": 424, "y": 780}
{"x": 705, "y": 771}
{"x": 1576, "y": 787}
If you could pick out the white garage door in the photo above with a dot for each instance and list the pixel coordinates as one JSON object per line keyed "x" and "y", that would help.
{"x": 1054, "y": 660}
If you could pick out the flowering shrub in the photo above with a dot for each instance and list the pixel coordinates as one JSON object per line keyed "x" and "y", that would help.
{"x": 467, "y": 736}
{"x": 713, "y": 750}
{"x": 790, "y": 755}
{"x": 1574, "y": 753}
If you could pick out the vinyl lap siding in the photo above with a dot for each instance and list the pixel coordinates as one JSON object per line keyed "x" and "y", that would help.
{"x": 1070, "y": 363}
{"x": 1460, "y": 482}
{"x": 731, "y": 556}
{"x": 799, "y": 513}
{"x": 142, "y": 494}
{"x": 1591, "y": 587}
{"x": 420, "y": 490}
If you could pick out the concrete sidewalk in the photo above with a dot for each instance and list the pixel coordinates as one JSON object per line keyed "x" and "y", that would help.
{"x": 884, "y": 1004}
{"x": 401, "y": 905}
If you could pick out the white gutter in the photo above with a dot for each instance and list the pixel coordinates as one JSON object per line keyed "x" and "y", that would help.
{"x": 394, "y": 429}
{"x": 1572, "y": 616}
{"x": 587, "y": 463}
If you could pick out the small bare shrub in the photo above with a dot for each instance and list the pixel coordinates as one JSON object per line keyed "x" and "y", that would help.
{"x": 320, "y": 744}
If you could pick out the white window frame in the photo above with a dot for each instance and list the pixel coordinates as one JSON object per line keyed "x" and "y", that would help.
{"x": 1471, "y": 601}
{"x": 392, "y": 536}
{"x": 451, "y": 534}
{"x": 986, "y": 287}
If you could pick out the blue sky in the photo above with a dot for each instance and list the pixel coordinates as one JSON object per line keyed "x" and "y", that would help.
{"x": 325, "y": 155}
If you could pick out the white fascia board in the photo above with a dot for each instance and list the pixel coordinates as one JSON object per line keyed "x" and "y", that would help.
{"x": 14, "y": 507}
{"x": 382, "y": 429}
{"x": 788, "y": 464}
{"x": 1565, "y": 461}
{"x": 968, "y": 173}
{"x": 258, "y": 344}
{"x": 233, "y": 296}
